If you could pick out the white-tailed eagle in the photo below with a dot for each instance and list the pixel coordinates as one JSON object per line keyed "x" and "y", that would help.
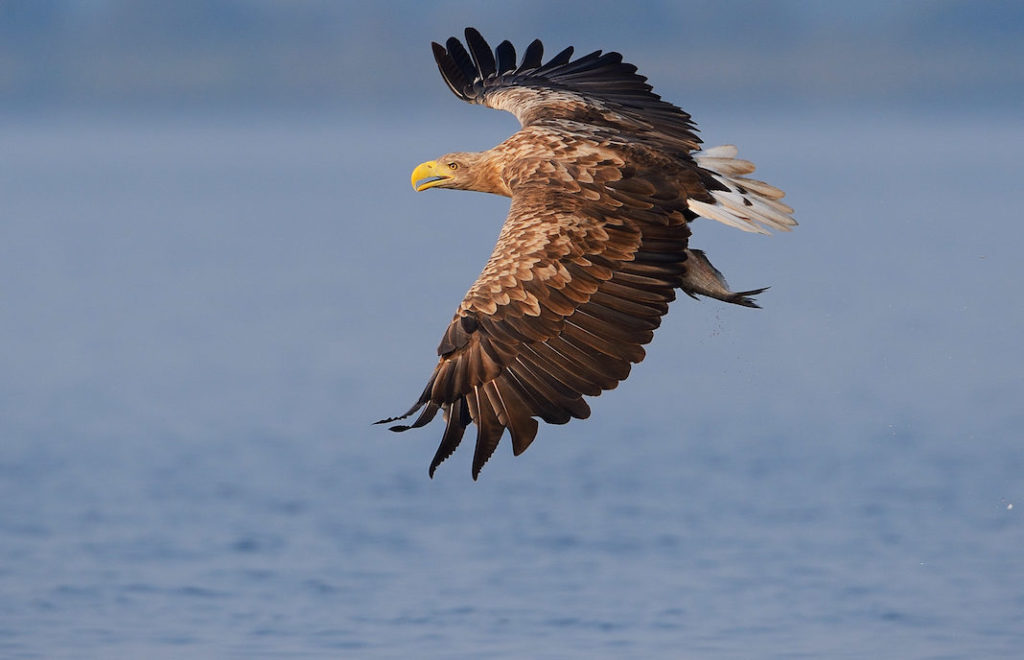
{"x": 604, "y": 178}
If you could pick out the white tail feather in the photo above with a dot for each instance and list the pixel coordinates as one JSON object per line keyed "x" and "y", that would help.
{"x": 747, "y": 204}
{"x": 721, "y": 151}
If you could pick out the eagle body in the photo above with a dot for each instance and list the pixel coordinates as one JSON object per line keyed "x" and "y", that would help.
{"x": 604, "y": 179}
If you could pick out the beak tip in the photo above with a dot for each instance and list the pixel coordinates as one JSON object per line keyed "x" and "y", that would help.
{"x": 424, "y": 175}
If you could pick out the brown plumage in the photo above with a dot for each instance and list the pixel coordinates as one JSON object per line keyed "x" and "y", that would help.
{"x": 604, "y": 179}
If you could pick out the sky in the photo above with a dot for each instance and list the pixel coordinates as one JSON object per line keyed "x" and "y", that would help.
{"x": 362, "y": 57}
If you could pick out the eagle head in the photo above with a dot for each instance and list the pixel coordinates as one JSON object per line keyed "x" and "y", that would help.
{"x": 461, "y": 171}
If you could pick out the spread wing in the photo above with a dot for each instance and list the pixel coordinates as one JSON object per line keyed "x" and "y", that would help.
{"x": 579, "y": 279}
{"x": 598, "y": 89}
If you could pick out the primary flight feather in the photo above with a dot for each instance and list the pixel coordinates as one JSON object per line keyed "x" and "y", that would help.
{"x": 604, "y": 179}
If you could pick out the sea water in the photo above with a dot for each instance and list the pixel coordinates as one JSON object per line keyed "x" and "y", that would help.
{"x": 201, "y": 319}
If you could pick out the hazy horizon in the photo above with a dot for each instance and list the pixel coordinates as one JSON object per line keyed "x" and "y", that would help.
{"x": 61, "y": 54}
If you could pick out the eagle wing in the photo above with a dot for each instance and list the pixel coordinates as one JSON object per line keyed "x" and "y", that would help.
{"x": 583, "y": 270}
{"x": 598, "y": 89}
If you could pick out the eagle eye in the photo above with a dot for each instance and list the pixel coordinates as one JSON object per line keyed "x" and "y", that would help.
{"x": 453, "y": 165}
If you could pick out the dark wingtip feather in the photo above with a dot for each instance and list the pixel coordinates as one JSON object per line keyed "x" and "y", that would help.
{"x": 488, "y": 433}
{"x": 533, "y": 55}
{"x": 561, "y": 58}
{"x": 425, "y": 418}
{"x": 745, "y": 298}
{"x": 480, "y": 50}
{"x": 420, "y": 402}
{"x": 458, "y": 420}
{"x": 450, "y": 71}
{"x": 461, "y": 58}
{"x": 506, "y": 56}
{"x": 398, "y": 417}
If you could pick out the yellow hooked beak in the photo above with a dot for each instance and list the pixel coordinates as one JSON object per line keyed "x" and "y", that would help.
{"x": 428, "y": 175}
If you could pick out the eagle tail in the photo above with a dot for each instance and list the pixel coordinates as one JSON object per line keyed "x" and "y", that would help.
{"x": 701, "y": 278}
{"x": 746, "y": 204}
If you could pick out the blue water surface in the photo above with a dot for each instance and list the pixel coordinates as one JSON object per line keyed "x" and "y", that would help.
{"x": 202, "y": 317}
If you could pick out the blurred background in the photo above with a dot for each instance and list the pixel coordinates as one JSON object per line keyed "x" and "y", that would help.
{"x": 214, "y": 276}
{"x": 111, "y": 55}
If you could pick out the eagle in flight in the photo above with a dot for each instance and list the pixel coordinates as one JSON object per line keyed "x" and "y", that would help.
{"x": 605, "y": 178}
